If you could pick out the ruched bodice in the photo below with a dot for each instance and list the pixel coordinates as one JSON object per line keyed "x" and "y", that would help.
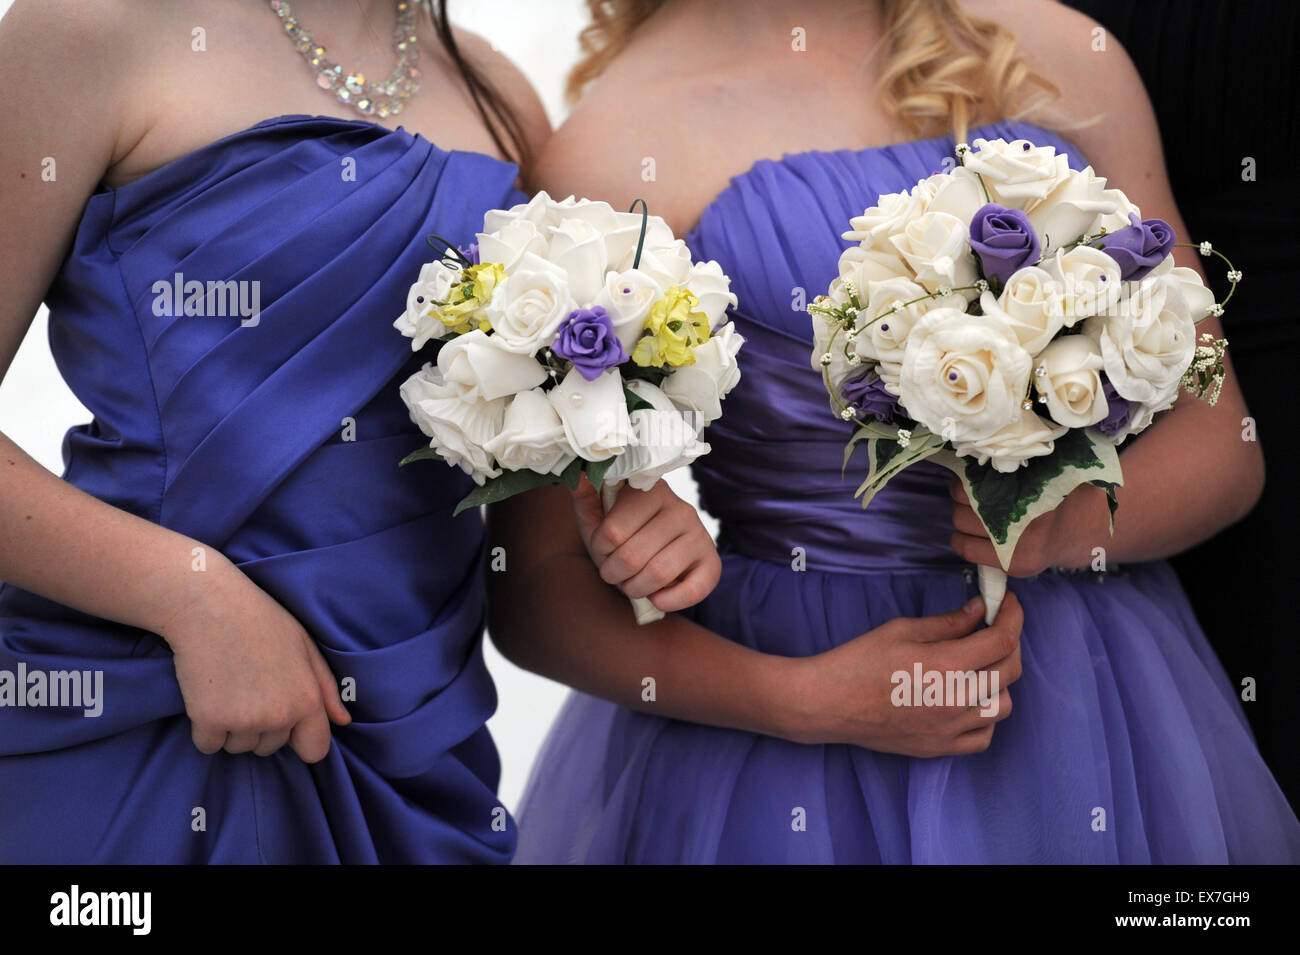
{"x": 775, "y": 479}
{"x": 262, "y": 418}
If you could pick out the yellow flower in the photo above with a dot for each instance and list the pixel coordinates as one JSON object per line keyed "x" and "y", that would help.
{"x": 463, "y": 311}
{"x": 675, "y": 325}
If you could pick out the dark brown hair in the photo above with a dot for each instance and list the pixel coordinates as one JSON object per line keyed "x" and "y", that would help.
{"x": 498, "y": 116}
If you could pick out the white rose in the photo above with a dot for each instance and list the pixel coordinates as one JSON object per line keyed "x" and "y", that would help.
{"x": 862, "y": 266}
{"x": 627, "y": 298}
{"x": 531, "y": 437}
{"x": 458, "y": 428}
{"x": 956, "y": 193}
{"x": 713, "y": 288}
{"x": 1118, "y": 218}
{"x": 1071, "y": 381}
{"x": 508, "y": 244}
{"x": 1070, "y": 210}
{"x": 1029, "y": 436}
{"x": 528, "y": 306}
{"x": 420, "y": 321}
{"x": 536, "y": 210}
{"x": 936, "y": 246}
{"x": 882, "y": 332}
{"x": 886, "y": 218}
{"x": 628, "y": 229}
{"x": 1032, "y": 304}
{"x": 594, "y": 414}
{"x": 700, "y": 388}
{"x": 1089, "y": 282}
{"x": 1016, "y": 173}
{"x": 1198, "y": 297}
{"x": 616, "y": 229}
{"x": 963, "y": 376}
{"x": 664, "y": 441}
{"x": 668, "y": 265}
{"x": 578, "y": 247}
{"x": 1147, "y": 341}
{"x": 482, "y": 370}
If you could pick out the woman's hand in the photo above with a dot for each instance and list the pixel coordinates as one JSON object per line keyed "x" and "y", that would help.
{"x": 1063, "y": 537}
{"x": 846, "y": 695}
{"x": 251, "y": 676}
{"x": 650, "y": 544}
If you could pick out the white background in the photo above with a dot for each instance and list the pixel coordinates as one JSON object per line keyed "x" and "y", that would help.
{"x": 36, "y": 407}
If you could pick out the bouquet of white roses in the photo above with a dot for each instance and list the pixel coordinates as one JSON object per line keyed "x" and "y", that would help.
{"x": 576, "y": 340}
{"x": 1013, "y": 320}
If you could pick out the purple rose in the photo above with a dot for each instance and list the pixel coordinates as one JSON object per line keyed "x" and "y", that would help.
{"x": 1116, "y": 419}
{"x": 867, "y": 393}
{"x": 587, "y": 339}
{"x": 1139, "y": 247}
{"x": 1004, "y": 241}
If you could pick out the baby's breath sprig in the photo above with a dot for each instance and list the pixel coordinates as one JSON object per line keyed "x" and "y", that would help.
{"x": 1234, "y": 274}
{"x": 962, "y": 151}
{"x": 1204, "y": 376}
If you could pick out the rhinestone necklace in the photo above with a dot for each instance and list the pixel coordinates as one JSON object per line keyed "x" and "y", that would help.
{"x": 384, "y": 98}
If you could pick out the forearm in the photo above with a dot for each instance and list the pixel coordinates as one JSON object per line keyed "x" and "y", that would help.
{"x": 1185, "y": 479}
{"x": 557, "y": 618}
{"x": 67, "y": 546}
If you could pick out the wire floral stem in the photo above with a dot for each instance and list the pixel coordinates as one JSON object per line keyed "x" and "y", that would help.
{"x": 1234, "y": 277}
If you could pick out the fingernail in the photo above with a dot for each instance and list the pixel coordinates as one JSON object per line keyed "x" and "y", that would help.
{"x": 973, "y": 604}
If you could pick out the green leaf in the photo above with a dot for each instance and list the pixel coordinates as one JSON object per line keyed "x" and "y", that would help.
{"x": 1112, "y": 502}
{"x": 1006, "y": 503}
{"x": 631, "y": 370}
{"x": 595, "y": 471}
{"x": 420, "y": 454}
{"x": 886, "y": 457}
{"x": 511, "y": 483}
{"x": 635, "y": 403}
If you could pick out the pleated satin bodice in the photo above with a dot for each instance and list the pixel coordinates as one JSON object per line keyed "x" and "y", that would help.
{"x": 274, "y": 437}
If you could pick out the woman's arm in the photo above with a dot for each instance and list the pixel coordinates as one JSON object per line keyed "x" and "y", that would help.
{"x": 551, "y": 613}
{"x": 251, "y": 677}
{"x": 1192, "y": 473}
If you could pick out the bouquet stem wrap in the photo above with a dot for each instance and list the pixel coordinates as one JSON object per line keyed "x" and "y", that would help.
{"x": 993, "y": 588}
{"x": 644, "y": 611}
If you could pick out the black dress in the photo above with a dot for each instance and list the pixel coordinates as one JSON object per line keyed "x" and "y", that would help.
{"x": 1222, "y": 79}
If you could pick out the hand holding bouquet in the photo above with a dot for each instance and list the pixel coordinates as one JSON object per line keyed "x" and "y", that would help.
{"x": 1013, "y": 320}
{"x": 575, "y": 340}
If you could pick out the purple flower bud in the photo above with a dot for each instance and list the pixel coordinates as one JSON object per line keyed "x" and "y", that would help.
{"x": 586, "y": 338}
{"x": 867, "y": 393}
{"x": 1117, "y": 416}
{"x": 1140, "y": 247}
{"x": 1004, "y": 241}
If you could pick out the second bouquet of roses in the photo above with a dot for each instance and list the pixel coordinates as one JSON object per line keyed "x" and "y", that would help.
{"x": 574, "y": 339}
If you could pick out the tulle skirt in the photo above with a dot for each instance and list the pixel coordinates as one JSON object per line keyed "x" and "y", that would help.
{"x": 1127, "y": 744}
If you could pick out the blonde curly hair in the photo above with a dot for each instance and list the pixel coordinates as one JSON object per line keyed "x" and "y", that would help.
{"x": 939, "y": 64}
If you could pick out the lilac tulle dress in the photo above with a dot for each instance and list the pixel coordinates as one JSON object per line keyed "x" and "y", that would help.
{"x": 1127, "y": 743}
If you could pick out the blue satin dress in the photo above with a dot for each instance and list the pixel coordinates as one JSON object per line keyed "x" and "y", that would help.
{"x": 1127, "y": 743}
{"x": 274, "y": 440}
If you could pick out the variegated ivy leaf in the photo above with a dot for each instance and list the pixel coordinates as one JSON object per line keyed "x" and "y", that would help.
{"x": 1006, "y": 503}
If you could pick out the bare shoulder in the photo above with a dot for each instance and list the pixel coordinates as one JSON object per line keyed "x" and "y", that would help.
{"x": 511, "y": 83}
{"x": 1090, "y": 67}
